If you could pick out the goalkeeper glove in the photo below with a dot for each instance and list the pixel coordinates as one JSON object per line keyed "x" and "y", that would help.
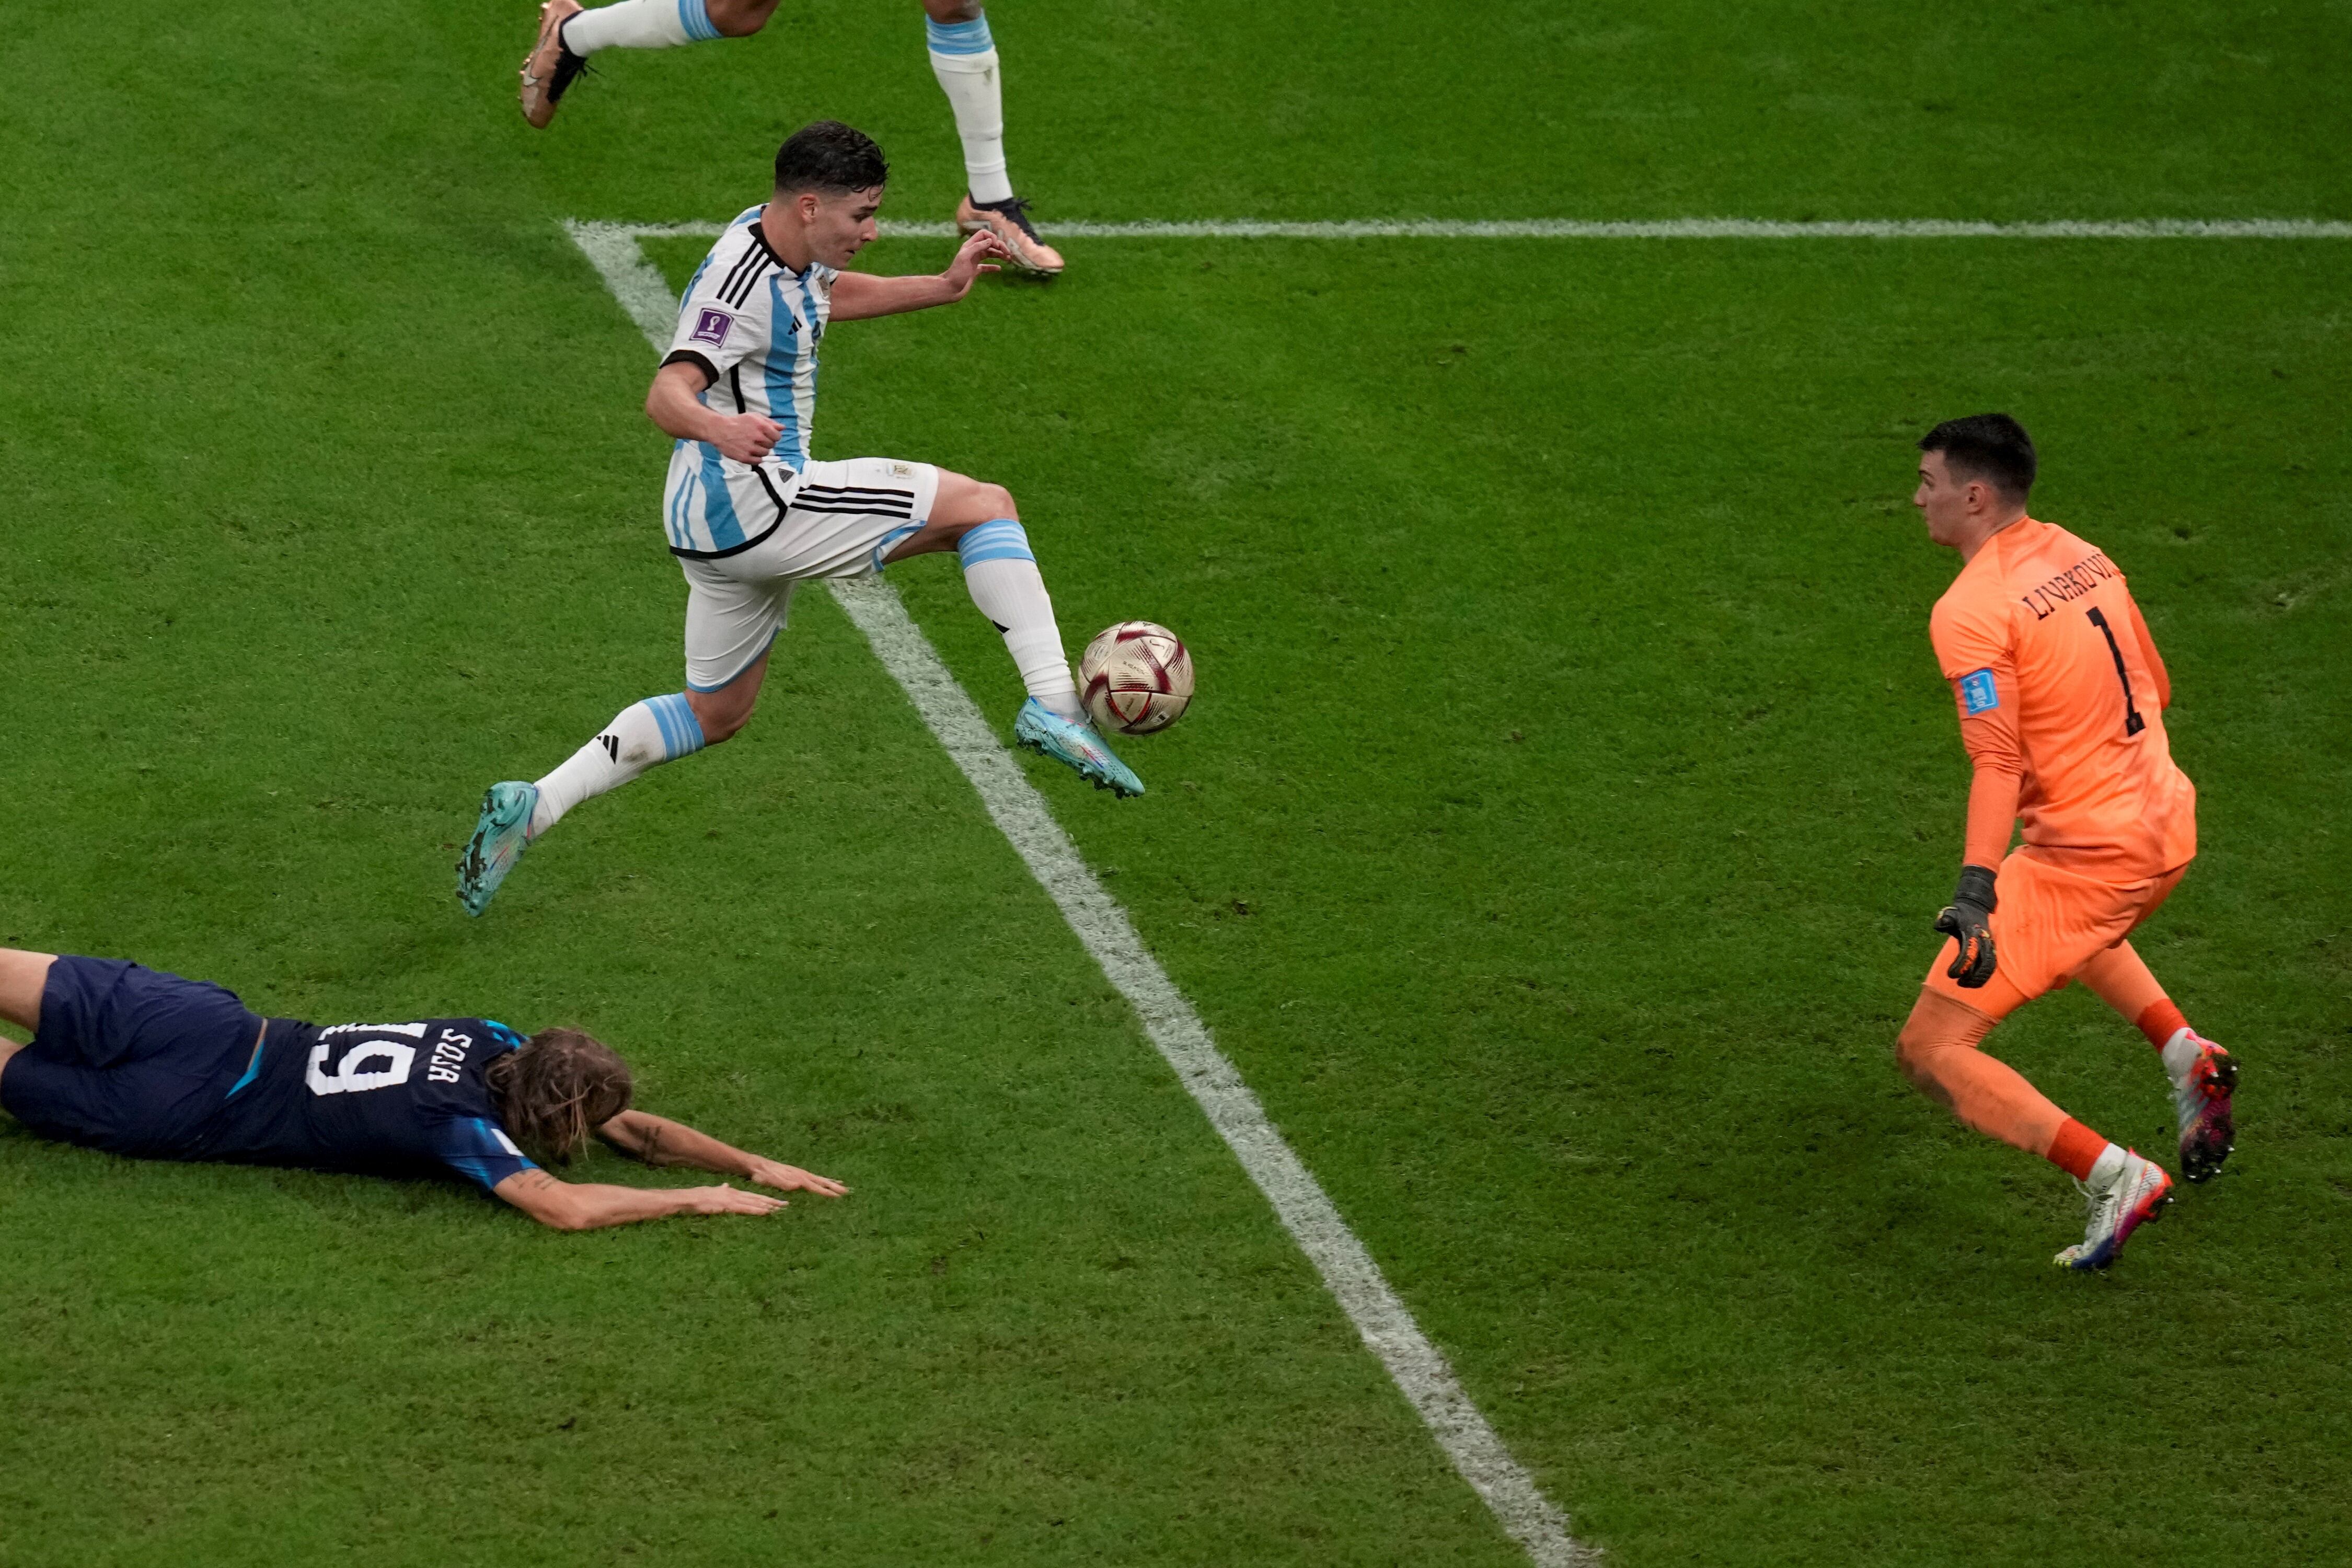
{"x": 1967, "y": 919}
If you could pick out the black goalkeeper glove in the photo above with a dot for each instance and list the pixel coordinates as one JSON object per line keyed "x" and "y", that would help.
{"x": 1967, "y": 919}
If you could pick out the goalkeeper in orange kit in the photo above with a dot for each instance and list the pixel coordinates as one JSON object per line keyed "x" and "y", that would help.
{"x": 2061, "y": 698}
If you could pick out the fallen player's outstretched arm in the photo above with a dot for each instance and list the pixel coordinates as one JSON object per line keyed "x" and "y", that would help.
{"x": 658, "y": 1141}
{"x": 590, "y": 1205}
{"x": 856, "y": 296}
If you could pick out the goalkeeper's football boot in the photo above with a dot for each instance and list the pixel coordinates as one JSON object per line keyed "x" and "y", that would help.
{"x": 2134, "y": 1199}
{"x": 2201, "y": 1099}
{"x": 1038, "y": 727}
{"x": 550, "y": 69}
{"x": 498, "y": 843}
{"x": 1010, "y": 219}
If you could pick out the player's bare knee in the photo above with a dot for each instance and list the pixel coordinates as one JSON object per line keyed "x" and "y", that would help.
{"x": 740, "y": 18}
{"x": 997, "y": 501}
{"x": 952, "y": 10}
{"x": 720, "y": 719}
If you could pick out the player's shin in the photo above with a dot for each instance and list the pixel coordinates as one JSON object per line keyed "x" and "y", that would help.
{"x": 1939, "y": 1050}
{"x": 2122, "y": 980}
{"x": 1002, "y": 577}
{"x": 963, "y": 57}
{"x": 643, "y": 735}
{"x": 639, "y": 25}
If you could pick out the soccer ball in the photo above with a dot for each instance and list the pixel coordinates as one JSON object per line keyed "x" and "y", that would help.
{"x": 1135, "y": 678}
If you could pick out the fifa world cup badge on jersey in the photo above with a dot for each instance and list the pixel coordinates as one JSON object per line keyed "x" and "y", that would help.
{"x": 711, "y": 327}
{"x": 1978, "y": 693}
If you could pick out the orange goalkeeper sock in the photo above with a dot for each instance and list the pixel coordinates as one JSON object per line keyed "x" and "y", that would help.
{"x": 2160, "y": 1021}
{"x": 2076, "y": 1150}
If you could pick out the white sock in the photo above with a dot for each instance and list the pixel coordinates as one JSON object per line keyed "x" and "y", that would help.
{"x": 1004, "y": 583}
{"x": 639, "y": 25}
{"x": 2106, "y": 1169}
{"x": 963, "y": 57}
{"x": 2180, "y": 1054}
{"x": 643, "y": 735}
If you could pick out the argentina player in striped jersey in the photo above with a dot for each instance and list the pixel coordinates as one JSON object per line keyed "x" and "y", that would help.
{"x": 750, "y": 514}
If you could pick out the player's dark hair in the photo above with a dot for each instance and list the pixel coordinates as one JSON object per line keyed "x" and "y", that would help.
{"x": 1988, "y": 447}
{"x": 557, "y": 1089}
{"x": 830, "y": 158}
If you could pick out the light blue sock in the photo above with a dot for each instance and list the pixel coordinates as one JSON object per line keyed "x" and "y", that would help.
{"x": 960, "y": 37}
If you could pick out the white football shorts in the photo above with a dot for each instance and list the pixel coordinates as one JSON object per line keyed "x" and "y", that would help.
{"x": 839, "y": 520}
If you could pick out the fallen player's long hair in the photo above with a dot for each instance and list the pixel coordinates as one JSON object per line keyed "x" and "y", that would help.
{"x": 557, "y": 1089}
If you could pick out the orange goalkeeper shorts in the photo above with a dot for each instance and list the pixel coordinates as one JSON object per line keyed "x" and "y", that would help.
{"x": 2049, "y": 923}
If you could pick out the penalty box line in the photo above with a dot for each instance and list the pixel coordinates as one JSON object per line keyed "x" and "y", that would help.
{"x": 1421, "y": 1371}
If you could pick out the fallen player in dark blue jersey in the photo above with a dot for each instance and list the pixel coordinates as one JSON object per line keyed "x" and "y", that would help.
{"x": 139, "y": 1062}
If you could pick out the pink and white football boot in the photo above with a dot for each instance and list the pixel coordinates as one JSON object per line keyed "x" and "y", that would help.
{"x": 2136, "y": 1196}
{"x": 2201, "y": 1096}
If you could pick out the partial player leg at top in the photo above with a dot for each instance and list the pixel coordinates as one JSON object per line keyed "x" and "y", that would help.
{"x": 567, "y": 34}
{"x": 963, "y": 58}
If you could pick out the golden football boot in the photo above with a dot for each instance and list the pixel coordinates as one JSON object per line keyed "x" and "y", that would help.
{"x": 549, "y": 67}
{"x": 1010, "y": 219}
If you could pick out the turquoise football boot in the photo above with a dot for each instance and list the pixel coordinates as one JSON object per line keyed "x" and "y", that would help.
{"x": 497, "y": 843}
{"x": 1037, "y": 728}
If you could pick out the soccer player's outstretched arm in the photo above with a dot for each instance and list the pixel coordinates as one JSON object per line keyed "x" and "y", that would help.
{"x": 590, "y": 1205}
{"x": 859, "y": 295}
{"x": 658, "y": 1141}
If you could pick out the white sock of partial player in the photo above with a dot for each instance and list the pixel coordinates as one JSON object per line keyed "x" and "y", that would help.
{"x": 2180, "y": 1054}
{"x": 641, "y": 736}
{"x": 639, "y": 25}
{"x": 1003, "y": 578}
{"x": 963, "y": 57}
{"x": 2106, "y": 1170}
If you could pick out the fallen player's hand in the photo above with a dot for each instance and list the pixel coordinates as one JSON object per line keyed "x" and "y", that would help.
{"x": 791, "y": 1178}
{"x": 724, "y": 1199}
{"x": 971, "y": 261}
{"x": 1967, "y": 919}
{"x": 747, "y": 438}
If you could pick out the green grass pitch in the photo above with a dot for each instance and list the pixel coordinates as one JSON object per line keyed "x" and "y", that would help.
{"x": 1552, "y": 846}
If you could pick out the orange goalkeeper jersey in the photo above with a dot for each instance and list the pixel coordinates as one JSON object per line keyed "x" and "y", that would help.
{"x": 2058, "y": 681}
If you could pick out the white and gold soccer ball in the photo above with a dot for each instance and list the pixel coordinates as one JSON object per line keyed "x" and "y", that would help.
{"x": 1135, "y": 678}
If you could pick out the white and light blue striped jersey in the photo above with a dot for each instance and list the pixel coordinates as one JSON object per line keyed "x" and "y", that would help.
{"x": 754, "y": 325}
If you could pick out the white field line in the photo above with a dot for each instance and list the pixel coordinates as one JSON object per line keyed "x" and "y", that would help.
{"x": 1420, "y": 1369}
{"x": 1568, "y": 228}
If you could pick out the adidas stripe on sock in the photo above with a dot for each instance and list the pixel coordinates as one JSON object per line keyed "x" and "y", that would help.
{"x": 641, "y": 736}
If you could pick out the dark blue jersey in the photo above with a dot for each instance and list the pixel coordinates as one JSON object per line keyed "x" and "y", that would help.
{"x": 392, "y": 1099}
